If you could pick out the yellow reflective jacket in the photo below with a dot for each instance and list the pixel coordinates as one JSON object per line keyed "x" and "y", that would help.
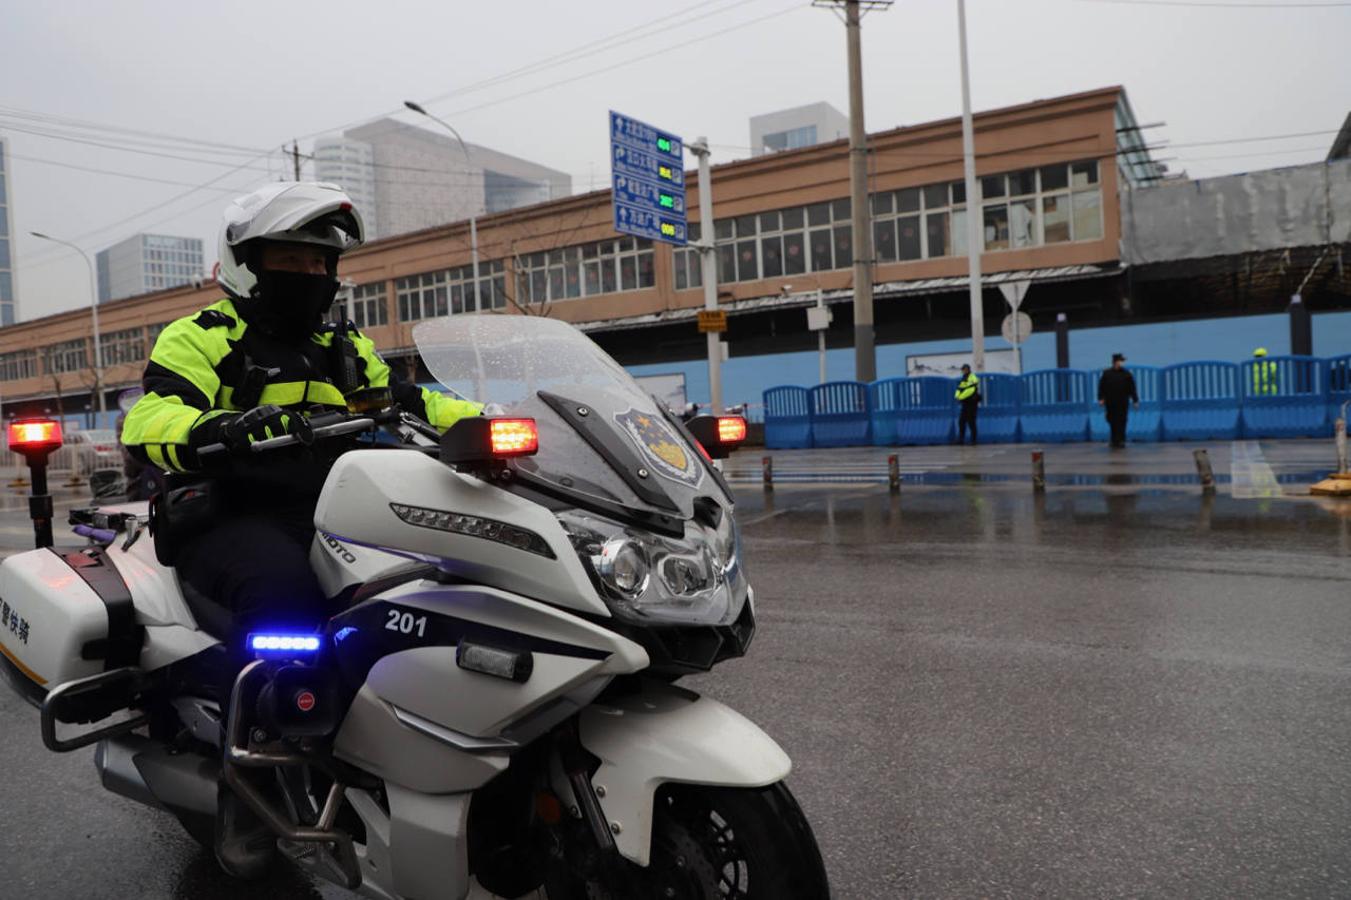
{"x": 1264, "y": 377}
{"x": 967, "y": 387}
{"x": 211, "y": 363}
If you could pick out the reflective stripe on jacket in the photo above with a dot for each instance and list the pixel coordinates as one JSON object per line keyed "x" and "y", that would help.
{"x": 1264, "y": 377}
{"x": 208, "y": 363}
{"x": 967, "y": 387}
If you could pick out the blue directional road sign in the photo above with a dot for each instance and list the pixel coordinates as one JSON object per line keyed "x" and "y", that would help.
{"x": 648, "y": 180}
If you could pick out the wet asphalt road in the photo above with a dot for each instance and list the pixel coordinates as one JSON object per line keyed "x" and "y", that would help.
{"x": 1108, "y": 692}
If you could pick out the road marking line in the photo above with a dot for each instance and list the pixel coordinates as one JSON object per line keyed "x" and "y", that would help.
{"x": 1251, "y": 476}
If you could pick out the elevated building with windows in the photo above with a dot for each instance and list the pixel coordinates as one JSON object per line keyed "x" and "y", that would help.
{"x": 1058, "y": 180}
{"x": 793, "y": 129}
{"x": 408, "y": 178}
{"x": 9, "y": 304}
{"x": 148, "y": 262}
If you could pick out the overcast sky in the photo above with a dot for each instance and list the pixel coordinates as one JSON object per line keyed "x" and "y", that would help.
{"x": 254, "y": 75}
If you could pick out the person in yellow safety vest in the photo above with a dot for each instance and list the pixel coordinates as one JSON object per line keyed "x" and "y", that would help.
{"x": 1263, "y": 374}
{"x": 968, "y": 395}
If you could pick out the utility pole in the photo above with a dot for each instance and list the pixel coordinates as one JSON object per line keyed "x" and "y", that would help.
{"x": 974, "y": 209}
{"x": 295, "y": 158}
{"x": 865, "y": 353}
{"x": 708, "y": 257}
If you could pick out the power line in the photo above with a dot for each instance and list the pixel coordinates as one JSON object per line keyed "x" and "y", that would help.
{"x": 599, "y": 44}
{"x": 92, "y": 143}
{"x": 646, "y": 56}
{"x": 144, "y": 212}
{"x": 1269, "y": 137}
{"x": 499, "y": 79}
{"x": 1255, "y": 153}
{"x": 567, "y": 56}
{"x": 52, "y": 162}
{"x": 1223, "y": 4}
{"x": 84, "y": 124}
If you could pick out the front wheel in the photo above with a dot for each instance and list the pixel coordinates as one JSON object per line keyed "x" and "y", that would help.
{"x": 723, "y": 844}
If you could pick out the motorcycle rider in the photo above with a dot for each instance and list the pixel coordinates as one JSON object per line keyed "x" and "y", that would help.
{"x": 244, "y": 369}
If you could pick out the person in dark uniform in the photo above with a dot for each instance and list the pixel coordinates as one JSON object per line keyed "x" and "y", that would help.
{"x": 968, "y": 395}
{"x": 1116, "y": 394}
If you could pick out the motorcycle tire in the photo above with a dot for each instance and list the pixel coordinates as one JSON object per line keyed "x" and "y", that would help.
{"x": 723, "y": 844}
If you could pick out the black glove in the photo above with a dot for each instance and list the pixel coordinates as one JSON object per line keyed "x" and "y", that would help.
{"x": 237, "y": 431}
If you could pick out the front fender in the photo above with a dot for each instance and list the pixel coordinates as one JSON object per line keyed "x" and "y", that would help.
{"x": 669, "y": 734}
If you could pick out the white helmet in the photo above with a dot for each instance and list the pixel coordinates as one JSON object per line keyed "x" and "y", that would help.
{"x": 301, "y": 212}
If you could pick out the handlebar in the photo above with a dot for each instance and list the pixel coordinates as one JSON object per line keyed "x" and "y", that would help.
{"x": 323, "y": 432}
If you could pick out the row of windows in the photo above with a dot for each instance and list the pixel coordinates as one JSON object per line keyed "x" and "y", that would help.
{"x": 128, "y": 345}
{"x": 185, "y": 257}
{"x": 791, "y": 139}
{"x": 586, "y": 270}
{"x": 451, "y": 291}
{"x": 367, "y": 307}
{"x": 1032, "y": 207}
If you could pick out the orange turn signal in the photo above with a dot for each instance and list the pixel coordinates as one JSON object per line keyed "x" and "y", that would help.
{"x": 731, "y": 429}
{"x": 513, "y": 437}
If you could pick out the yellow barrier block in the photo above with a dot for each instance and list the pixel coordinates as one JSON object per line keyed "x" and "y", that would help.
{"x": 1338, "y": 485}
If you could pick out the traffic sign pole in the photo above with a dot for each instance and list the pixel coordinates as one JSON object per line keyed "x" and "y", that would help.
{"x": 709, "y": 259}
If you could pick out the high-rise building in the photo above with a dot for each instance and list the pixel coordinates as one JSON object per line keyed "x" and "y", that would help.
{"x": 8, "y": 302}
{"x": 148, "y": 262}
{"x": 420, "y": 179}
{"x": 801, "y": 126}
{"x": 351, "y": 165}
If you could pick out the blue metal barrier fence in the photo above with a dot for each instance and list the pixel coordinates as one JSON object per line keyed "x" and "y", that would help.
{"x": 840, "y": 416}
{"x": 1284, "y": 396}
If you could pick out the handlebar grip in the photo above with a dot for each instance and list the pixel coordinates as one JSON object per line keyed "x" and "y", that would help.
{"x": 348, "y": 426}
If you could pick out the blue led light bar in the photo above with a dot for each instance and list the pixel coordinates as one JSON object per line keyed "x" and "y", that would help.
{"x": 283, "y": 643}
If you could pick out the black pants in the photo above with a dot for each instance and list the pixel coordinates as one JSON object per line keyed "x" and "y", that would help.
{"x": 1116, "y": 418}
{"x": 258, "y": 569}
{"x": 966, "y": 418}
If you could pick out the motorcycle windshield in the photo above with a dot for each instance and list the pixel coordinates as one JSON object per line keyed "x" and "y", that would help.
{"x": 549, "y": 371}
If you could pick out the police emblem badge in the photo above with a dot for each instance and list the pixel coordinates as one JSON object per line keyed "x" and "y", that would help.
{"x": 661, "y": 446}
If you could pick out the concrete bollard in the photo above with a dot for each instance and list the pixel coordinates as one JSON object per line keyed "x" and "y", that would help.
{"x": 894, "y": 473}
{"x": 1038, "y": 471}
{"x": 1339, "y": 429}
{"x": 1203, "y": 470}
{"x": 767, "y": 472}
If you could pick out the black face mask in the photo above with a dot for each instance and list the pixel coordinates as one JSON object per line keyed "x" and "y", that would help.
{"x": 290, "y": 305}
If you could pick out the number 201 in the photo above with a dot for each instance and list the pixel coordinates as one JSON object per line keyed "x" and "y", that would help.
{"x": 405, "y": 623}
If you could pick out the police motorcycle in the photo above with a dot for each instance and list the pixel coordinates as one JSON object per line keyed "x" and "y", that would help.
{"x": 494, "y": 700}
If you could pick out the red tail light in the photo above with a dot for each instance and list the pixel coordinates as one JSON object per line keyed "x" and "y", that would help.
{"x": 731, "y": 429}
{"x": 513, "y": 437}
{"x": 31, "y": 435}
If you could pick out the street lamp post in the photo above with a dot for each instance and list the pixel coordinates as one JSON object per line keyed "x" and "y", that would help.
{"x": 473, "y": 226}
{"x": 93, "y": 312}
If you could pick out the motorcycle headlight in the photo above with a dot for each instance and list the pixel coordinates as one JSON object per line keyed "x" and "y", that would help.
{"x": 623, "y": 565}
{"x": 654, "y": 579}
